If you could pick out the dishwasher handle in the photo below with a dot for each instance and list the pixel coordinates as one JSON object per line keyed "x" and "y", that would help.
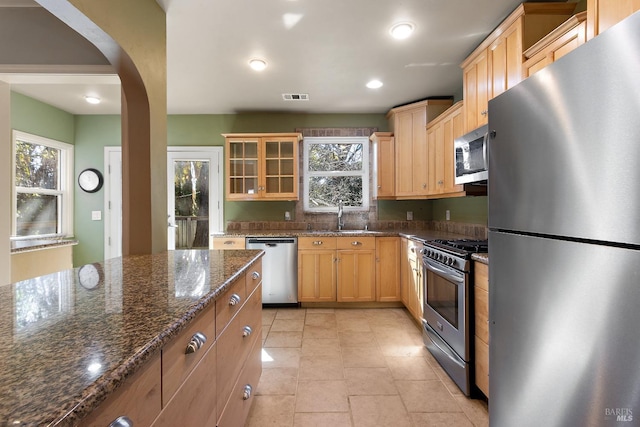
{"x": 271, "y": 242}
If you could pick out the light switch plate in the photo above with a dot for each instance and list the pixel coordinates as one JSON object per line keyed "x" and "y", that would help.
{"x": 96, "y": 215}
{"x": 409, "y": 216}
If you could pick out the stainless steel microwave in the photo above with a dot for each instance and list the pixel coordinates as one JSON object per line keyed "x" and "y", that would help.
{"x": 472, "y": 164}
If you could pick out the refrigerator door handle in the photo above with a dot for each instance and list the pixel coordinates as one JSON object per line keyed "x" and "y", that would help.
{"x": 485, "y": 141}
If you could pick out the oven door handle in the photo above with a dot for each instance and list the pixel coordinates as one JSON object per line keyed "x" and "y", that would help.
{"x": 441, "y": 345}
{"x": 446, "y": 273}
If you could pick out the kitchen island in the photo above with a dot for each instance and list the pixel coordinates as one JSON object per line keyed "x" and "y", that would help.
{"x": 69, "y": 340}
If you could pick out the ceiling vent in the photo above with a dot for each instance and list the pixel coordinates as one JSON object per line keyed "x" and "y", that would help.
{"x": 295, "y": 96}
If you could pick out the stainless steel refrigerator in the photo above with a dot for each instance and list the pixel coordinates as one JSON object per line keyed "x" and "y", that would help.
{"x": 564, "y": 240}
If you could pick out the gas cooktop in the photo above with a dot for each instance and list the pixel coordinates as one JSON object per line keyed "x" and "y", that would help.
{"x": 467, "y": 246}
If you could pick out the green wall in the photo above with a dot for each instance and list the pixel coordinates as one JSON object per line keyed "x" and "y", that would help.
{"x": 37, "y": 118}
{"x": 91, "y": 133}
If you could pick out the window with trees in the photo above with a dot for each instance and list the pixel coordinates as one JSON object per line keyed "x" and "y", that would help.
{"x": 336, "y": 169}
{"x": 43, "y": 180}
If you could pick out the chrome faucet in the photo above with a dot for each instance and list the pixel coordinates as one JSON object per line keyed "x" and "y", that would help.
{"x": 340, "y": 223}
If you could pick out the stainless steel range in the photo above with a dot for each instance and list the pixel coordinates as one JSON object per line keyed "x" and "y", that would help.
{"x": 448, "y": 317}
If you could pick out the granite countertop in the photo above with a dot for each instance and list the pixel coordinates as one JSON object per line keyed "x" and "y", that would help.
{"x": 483, "y": 258}
{"x": 27, "y": 245}
{"x": 64, "y": 347}
{"x": 422, "y": 235}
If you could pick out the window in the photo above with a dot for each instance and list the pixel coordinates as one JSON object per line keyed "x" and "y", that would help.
{"x": 336, "y": 169}
{"x": 43, "y": 179}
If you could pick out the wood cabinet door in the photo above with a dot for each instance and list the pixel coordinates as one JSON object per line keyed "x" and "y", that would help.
{"x": 602, "y": 14}
{"x": 435, "y": 158}
{"x": 383, "y": 165}
{"x": 411, "y": 152}
{"x": 356, "y": 275}
{"x": 405, "y": 271}
{"x": 316, "y": 275}
{"x": 453, "y": 127}
{"x": 279, "y": 177}
{"x": 476, "y": 92}
{"x": 387, "y": 269}
{"x": 243, "y": 168}
{"x": 505, "y": 60}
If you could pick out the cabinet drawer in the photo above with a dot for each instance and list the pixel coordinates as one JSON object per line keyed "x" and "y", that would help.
{"x": 253, "y": 277}
{"x": 237, "y": 409}
{"x": 230, "y": 304}
{"x": 195, "y": 402}
{"x": 481, "y": 276}
{"x": 482, "y": 366}
{"x": 139, "y": 399}
{"x": 356, "y": 242}
{"x": 176, "y": 363}
{"x": 227, "y": 242}
{"x": 316, "y": 242}
{"x": 481, "y": 301}
{"x": 234, "y": 345}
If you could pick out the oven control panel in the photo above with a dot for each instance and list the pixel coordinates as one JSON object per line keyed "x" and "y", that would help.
{"x": 448, "y": 259}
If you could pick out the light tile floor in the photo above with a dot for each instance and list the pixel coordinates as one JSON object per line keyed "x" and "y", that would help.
{"x": 354, "y": 368}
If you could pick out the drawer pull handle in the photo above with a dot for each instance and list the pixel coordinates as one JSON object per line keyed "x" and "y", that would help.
{"x": 229, "y": 242}
{"x": 234, "y": 299}
{"x": 121, "y": 422}
{"x": 246, "y": 393}
{"x": 246, "y": 331}
{"x": 196, "y": 342}
{"x": 317, "y": 242}
{"x": 255, "y": 275}
{"x": 356, "y": 243}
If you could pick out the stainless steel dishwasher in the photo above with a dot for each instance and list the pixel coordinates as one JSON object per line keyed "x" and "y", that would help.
{"x": 279, "y": 269}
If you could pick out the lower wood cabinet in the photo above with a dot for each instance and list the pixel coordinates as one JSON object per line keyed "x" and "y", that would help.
{"x": 387, "y": 269}
{"x": 411, "y": 277}
{"x": 206, "y": 375}
{"x": 481, "y": 301}
{"x": 356, "y": 280}
{"x": 139, "y": 398}
{"x": 316, "y": 269}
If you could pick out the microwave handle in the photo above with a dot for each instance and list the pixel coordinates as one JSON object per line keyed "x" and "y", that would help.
{"x": 485, "y": 141}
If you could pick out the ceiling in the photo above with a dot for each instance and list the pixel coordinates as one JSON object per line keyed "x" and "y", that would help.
{"x": 327, "y": 49}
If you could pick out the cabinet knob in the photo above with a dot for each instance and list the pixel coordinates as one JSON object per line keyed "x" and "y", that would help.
{"x": 484, "y": 112}
{"x": 356, "y": 243}
{"x": 122, "y": 421}
{"x": 246, "y": 393}
{"x": 424, "y": 185}
{"x": 246, "y": 331}
{"x": 255, "y": 275}
{"x": 197, "y": 340}
{"x": 234, "y": 299}
{"x": 317, "y": 242}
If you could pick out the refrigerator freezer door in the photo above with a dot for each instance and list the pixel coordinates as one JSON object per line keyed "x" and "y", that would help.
{"x": 564, "y": 333}
{"x": 565, "y": 159}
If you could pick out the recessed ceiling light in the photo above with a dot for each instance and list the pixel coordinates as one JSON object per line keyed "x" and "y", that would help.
{"x": 258, "y": 64}
{"x": 401, "y": 30}
{"x": 374, "y": 84}
{"x": 92, "y": 99}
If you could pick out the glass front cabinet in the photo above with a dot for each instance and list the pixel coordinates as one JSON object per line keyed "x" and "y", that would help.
{"x": 262, "y": 166}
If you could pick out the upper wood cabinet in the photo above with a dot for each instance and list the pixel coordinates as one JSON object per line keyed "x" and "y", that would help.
{"x": 496, "y": 64}
{"x": 441, "y": 133}
{"x": 262, "y": 166}
{"x": 568, "y": 36}
{"x": 408, "y": 125}
{"x": 383, "y": 172}
{"x": 602, "y": 14}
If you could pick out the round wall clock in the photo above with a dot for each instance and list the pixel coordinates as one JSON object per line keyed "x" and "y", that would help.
{"x": 89, "y": 276}
{"x": 90, "y": 180}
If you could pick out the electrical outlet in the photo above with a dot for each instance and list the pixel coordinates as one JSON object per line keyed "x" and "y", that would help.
{"x": 409, "y": 216}
{"x": 96, "y": 215}
{"x": 448, "y": 215}
{"x": 287, "y": 216}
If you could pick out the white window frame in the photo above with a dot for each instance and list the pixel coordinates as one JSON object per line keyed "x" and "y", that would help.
{"x": 364, "y": 173}
{"x": 65, "y": 177}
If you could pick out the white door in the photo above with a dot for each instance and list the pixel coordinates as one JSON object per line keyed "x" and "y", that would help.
{"x": 194, "y": 194}
{"x": 177, "y": 157}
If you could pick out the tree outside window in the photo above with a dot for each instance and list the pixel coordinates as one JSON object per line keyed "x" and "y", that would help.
{"x": 42, "y": 190}
{"x": 336, "y": 169}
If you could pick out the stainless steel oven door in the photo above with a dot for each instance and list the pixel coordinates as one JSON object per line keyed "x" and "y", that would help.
{"x": 446, "y": 305}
